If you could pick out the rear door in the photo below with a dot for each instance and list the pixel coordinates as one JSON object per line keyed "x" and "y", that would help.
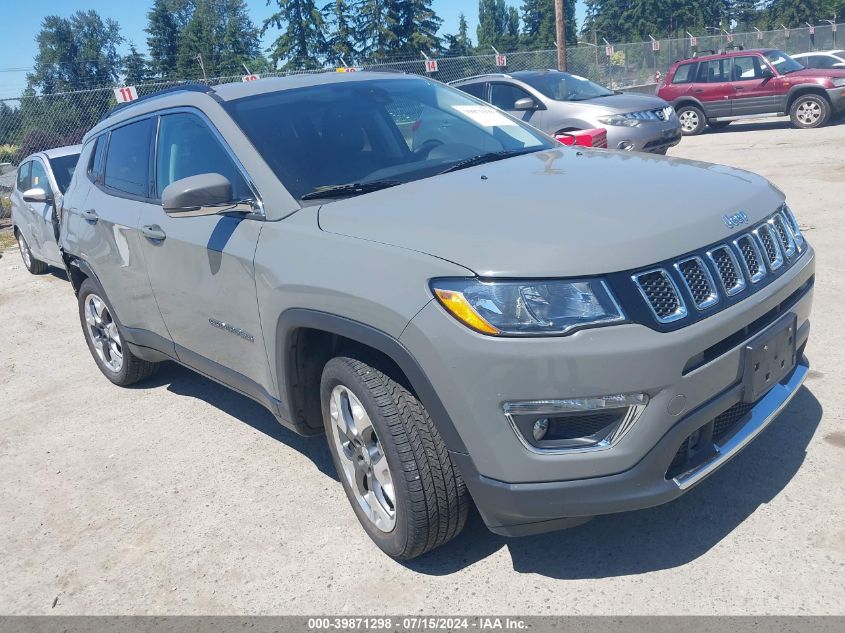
{"x": 753, "y": 92}
{"x": 104, "y": 231}
{"x": 713, "y": 88}
{"x": 202, "y": 268}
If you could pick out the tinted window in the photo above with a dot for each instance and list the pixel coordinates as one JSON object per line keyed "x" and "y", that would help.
{"x": 823, "y": 61}
{"x": 783, "y": 63}
{"x": 504, "y": 96}
{"x": 187, "y": 147}
{"x": 747, "y": 68}
{"x": 38, "y": 177}
{"x": 23, "y": 176}
{"x": 63, "y": 167}
{"x": 476, "y": 90}
{"x": 128, "y": 158}
{"x": 685, "y": 74}
{"x": 95, "y": 164}
{"x": 358, "y": 131}
{"x": 713, "y": 72}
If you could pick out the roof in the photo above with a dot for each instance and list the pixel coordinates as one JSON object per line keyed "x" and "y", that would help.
{"x": 58, "y": 152}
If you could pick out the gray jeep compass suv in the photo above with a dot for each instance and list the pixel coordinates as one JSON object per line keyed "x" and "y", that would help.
{"x": 463, "y": 318}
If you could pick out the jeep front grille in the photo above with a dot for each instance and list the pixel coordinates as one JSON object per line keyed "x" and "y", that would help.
{"x": 661, "y": 294}
{"x": 722, "y": 273}
{"x": 698, "y": 281}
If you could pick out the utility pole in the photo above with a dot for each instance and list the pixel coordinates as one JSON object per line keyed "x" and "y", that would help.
{"x": 560, "y": 24}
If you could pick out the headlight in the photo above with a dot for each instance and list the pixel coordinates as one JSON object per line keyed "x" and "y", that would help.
{"x": 528, "y": 308}
{"x": 839, "y": 82}
{"x": 619, "y": 119}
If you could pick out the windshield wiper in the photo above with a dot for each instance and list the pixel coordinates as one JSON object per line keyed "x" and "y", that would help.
{"x": 351, "y": 189}
{"x": 482, "y": 159}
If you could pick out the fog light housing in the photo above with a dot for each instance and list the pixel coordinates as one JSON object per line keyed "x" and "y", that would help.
{"x": 576, "y": 424}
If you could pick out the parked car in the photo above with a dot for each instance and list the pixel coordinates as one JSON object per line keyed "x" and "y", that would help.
{"x": 824, "y": 60}
{"x": 40, "y": 182}
{"x": 459, "y": 328}
{"x": 717, "y": 89}
{"x": 556, "y": 102}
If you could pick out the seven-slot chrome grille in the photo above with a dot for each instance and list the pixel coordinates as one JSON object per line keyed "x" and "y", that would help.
{"x": 726, "y": 271}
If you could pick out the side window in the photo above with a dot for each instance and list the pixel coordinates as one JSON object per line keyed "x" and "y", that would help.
{"x": 712, "y": 72}
{"x": 747, "y": 68}
{"x": 685, "y": 74}
{"x": 476, "y": 90}
{"x": 187, "y": 147}
{"x": 503, "y": 96}
{"x": 38, "y": 177}
{"x": 127, "y": 163}
{"x": 95, "y": 162}
{"x": 824, "y": 61}
{"x": 23, "y": 176}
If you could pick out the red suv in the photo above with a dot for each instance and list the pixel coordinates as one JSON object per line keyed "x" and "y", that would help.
{"x": 717, "y": 89}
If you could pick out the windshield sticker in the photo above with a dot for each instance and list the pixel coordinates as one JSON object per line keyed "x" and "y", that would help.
{"x": 485, "y": 116}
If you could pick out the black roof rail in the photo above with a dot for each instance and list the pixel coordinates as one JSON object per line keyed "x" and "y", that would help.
{"x": 159, "y": 93}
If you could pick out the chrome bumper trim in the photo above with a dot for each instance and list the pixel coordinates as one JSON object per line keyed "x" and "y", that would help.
{"x": 763, "y": 413}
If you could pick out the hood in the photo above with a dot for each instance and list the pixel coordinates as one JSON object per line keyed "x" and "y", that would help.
{"x": 622, "y": 103}
{"x": 558, "y": 213}
{"x": 817, "y": 73}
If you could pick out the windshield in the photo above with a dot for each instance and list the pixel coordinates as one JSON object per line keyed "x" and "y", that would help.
{"x": 783, "y": 63}
{"x": 388, "y": 131}
{"x": 566, "y": 87}
{"x": 63, "y": 167}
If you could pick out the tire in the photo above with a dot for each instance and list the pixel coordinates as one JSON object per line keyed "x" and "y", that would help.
{"x": 719, "y": 125}
{"x": 103, "y": 334}
{"x": 692, "y": 120}
{"x": 809, "y": 112}
{"x": 35, "y": 266}
{"x": 421, "y": 501}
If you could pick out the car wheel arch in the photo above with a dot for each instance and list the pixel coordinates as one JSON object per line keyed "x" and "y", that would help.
{"x": 801, "y": 90}
{"x": 306, "y": 339}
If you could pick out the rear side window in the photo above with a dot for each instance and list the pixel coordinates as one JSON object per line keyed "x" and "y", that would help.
{"x": 685, "y": 74}
{"x": 713, "y": 72}
{"x": 127, "y": 162}
{"x": 476, "y": 90}
{"x": 23, "y": 176}
{"x": 188, "y": 147}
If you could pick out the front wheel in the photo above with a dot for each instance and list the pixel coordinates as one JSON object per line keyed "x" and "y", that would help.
{"x": 809, "y": 111}
{"x": 692, "y": 120}
{"x": 395, "y": 469}
{"x": 35, "y": 266}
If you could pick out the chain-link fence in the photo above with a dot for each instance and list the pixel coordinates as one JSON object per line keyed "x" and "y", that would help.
{"x": 32, "y": 123}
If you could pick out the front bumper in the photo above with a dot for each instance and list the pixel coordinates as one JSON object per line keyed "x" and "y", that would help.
{"x": 518, "y": 491}
{"x": 649, "y": 137}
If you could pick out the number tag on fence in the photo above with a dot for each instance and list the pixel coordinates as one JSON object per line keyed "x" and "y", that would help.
{"x": 608, "y": 50}
{"x": 431, "y": 66}
{"x": 501, "y": 61}
{"x": 125, "y": 94}
{"x": 248, "y": 78}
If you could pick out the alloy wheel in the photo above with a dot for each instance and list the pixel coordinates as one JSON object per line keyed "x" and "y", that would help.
{"x": 103, "y": 333}
{"x": 25, "y": 254}
{"x": 689, "y": 120}
{"x": 362, "y": 458}
{"x": 809, "y": 112}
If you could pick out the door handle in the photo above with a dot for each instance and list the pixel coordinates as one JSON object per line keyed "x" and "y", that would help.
{"x": 153, "y": 232}
{"x": 90, "y": 216}
{"x": 698, "y": 90}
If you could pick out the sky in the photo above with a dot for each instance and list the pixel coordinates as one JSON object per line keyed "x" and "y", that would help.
{"x": 18, "y": 47}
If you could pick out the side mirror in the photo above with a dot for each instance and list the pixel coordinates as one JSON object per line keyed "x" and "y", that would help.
{"x": 36, "y": 194}
{"x": 204, "y": 194}
{"x": 839, "y": 65}
{"x": 526, "y": 103}
{"x": 768, "y": 73}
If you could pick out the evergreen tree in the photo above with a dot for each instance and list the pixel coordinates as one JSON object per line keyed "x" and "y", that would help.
{"x": 459, "y": 44}
{"x": 165, "y": 22}
{"x": 341, "y": 41}
{"x": 492, "y": 23}
{"x": 793, "y": 12}
{"x": 539, "y": 28}
{"x": 302, "y": 43}
{"x": 377, "y": 23}
{"x": 221, "y": 32}
{"x": 416, "y": 27}
{"x": 135, "y": 67}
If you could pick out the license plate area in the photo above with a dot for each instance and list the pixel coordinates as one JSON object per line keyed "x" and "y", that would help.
{"x": 769, "y": 358}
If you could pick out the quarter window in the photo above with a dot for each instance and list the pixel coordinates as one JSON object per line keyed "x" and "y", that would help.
{"x": 504, "y": 96}
{"x": 187, "y": 147}
{"x": 128, "y": 158}
{"x": 685, "y": 74}
{"x": 23, "y": 176}
{"x": 95, "y": 165}
{"x": 38, "y": 177}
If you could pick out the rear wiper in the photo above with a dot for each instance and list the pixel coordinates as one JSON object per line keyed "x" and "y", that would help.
{"x": 351, "y": 189}
{"x": 481, "y": 159}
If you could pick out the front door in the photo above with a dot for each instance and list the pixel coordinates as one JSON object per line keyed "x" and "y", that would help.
{"x": 44, "y": 231}
{"x": 505, "y": 95}
{"x": 201, "y": 268}
{"x": 713, "y": 88}
{"x": 754, "y": 93}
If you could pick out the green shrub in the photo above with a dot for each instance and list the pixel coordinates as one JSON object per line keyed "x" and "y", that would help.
{"x": 8, "y": 153}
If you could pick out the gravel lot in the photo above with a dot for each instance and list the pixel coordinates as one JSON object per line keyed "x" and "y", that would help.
{"x": 181, "y": 497}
